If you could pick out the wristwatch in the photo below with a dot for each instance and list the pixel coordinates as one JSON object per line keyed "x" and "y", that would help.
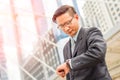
{"x": 68, "y": 63}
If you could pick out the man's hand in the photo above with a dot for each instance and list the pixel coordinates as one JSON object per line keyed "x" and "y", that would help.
{"x": 62, "y": 70}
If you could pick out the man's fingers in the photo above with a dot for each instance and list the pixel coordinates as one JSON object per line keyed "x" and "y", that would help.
{"x": 61, "y": 73}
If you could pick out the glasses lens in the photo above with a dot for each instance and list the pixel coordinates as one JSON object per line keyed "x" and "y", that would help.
{"x": 65, "y": 24}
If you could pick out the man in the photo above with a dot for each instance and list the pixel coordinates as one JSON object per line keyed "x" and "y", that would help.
{"x": 84, "y": 53}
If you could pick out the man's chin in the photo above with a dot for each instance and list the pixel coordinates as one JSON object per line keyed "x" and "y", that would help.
{"x": 71, "y": 35}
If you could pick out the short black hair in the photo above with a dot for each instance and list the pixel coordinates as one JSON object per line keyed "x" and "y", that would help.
{"x": 63, "y": 9}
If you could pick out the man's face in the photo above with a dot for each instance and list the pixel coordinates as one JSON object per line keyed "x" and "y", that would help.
{"x": 69, "y": 24}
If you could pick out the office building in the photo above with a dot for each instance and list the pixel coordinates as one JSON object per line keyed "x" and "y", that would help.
{"x": 96, "y": 14}
{"x": 113, "y": 7}
{"x": 47, "y": 52}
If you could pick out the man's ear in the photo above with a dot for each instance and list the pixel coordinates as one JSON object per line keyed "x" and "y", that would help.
{"x": 76, "y": 16}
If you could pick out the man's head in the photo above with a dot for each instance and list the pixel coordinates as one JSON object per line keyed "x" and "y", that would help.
{"x": 67, "y": 19}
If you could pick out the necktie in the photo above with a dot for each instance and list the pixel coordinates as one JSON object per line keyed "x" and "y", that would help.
{"x": 72, "y": 45}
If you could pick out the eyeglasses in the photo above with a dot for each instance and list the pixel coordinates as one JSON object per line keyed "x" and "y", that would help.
{"x": 62, "y": 26}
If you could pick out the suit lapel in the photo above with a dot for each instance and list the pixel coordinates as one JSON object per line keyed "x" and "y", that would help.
{"x": 78, "y": 42}
{"x": 69, "y": 50}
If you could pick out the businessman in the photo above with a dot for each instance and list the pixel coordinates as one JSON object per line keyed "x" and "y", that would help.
{"x": 84, "y": 53}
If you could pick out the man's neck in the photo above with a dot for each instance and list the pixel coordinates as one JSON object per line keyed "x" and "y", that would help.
{"x": 75, "y": 36}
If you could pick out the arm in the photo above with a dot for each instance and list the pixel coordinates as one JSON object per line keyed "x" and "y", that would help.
{"x": 63, "y": 69}
{"x": 95, "y": 53}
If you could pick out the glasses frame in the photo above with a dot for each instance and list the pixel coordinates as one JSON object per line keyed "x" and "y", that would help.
{"x": 62, "y": 26}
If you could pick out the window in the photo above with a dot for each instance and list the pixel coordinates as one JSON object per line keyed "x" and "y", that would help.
{"x": 112, "y": 9}
{"x": 118, "y": 9}
{"x": 119, "y": 14}
{"x": 116, "y": 18}
{"x": 115, "y": 5}
{"x": 110, "y": 4}
{"x": 113, "y": 13}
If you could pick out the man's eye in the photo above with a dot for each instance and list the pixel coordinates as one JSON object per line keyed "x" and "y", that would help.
{"x": 62, "y": 26}
{"x": 68, "y": 22}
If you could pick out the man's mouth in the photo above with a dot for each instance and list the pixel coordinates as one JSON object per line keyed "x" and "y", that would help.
{"x": 70, "y": 31}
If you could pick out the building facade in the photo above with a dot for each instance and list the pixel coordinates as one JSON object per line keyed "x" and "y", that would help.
{"x": 96, "y": 14}
{"x": 113, "y": 7}
{"x": 47, "y": 56}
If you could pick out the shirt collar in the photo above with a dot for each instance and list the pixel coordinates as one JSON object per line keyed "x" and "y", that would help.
{"x": 76, "y": 35}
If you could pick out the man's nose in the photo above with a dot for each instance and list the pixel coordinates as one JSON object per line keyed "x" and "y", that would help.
{"x": 67, "y": 28}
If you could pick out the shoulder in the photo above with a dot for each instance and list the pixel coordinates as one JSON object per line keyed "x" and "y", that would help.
{"x": 92, "y": 30}
{"x": 89, "y": 29}
{"x": 67, "y": 43}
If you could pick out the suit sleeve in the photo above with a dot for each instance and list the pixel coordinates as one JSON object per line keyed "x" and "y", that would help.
{"x": 95, "y": 53}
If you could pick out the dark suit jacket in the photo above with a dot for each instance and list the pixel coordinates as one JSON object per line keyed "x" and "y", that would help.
{"x": 88, "y": 59}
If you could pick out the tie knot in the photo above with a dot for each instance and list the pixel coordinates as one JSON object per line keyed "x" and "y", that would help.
{"x": 73, "y": 41}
